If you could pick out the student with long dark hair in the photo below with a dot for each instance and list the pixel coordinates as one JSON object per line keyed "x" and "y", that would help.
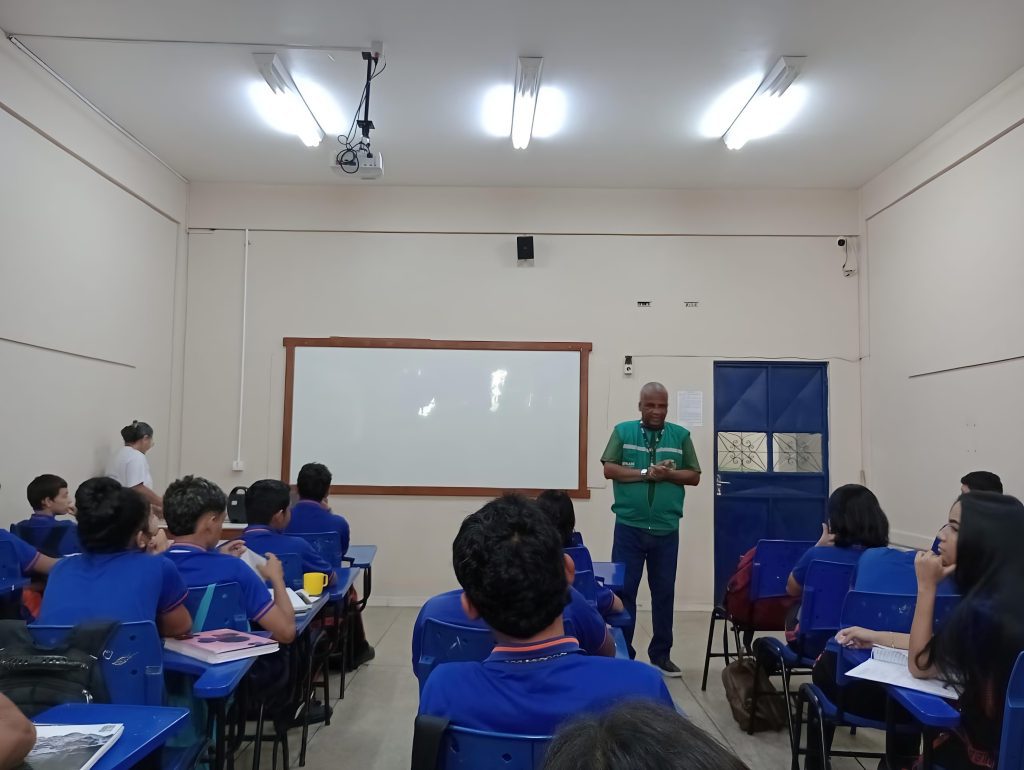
{"x": 977, "y": 646}
{"x": 114, "y": 578}
{"x": 856, "y": 522}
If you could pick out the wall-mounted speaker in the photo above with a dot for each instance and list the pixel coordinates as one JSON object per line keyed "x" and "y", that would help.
{"x": 524, "y": 248}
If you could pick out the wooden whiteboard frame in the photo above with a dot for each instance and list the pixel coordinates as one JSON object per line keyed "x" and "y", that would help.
{"x": 290, "y": 343}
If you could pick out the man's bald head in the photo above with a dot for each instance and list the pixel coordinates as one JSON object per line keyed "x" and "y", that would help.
{"x": 653, "y": 405}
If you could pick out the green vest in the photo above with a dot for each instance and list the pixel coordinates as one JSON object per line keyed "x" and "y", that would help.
{"x": 656, "y": 505}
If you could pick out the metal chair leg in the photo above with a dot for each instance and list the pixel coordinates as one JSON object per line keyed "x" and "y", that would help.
{"x": 707, "y": 652}
{"x": 754, "y": 696}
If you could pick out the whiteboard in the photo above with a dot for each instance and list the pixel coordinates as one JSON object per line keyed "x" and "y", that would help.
{"x": 461, "y": 419}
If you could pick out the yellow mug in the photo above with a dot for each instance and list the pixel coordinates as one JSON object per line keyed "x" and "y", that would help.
{"x": 314, "y": 583}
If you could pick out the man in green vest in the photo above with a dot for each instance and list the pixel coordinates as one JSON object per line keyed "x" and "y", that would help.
{"x": 649, "y": 462}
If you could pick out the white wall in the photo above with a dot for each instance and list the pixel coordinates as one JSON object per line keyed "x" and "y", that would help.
{"x": 942, "y": 275}
{"x": 773, "y": 297}
{"x": 92, "y": 232}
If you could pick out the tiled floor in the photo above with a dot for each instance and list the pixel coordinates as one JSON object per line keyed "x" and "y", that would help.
{"x": 372, "y": 727}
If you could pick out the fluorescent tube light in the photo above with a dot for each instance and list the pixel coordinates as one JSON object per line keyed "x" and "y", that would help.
{"x": 771, "y": 107}
{"x": 289, "y": 103}
{"x": 524, "y": 103}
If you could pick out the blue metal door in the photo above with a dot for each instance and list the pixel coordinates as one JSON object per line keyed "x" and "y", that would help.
{"x": 771, "y": 456}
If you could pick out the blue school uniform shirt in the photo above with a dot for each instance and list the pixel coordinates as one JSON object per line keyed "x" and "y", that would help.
{"x": 42, "y": 524}
{"x": 125, "y": 586}
{"x": 605, "y": 596}
{"x": 27, "y": 555}
{"x": 263, "y": 540}
{"x": 582, "y": 621}
{"x": 199, "y": 568}
{"x": 849, "y": 555}
{"x": 891, "y": 571}
{"x": 310, "y": 517}
{"x": 530, "y": 689}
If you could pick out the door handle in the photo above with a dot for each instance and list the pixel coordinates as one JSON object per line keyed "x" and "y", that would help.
{"x": 718, "y": 485}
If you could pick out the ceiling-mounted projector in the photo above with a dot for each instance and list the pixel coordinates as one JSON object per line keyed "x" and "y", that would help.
{"x": 361, "y": 162}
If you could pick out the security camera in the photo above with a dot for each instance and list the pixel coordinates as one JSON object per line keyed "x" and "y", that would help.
{"x": 840, "y": 242}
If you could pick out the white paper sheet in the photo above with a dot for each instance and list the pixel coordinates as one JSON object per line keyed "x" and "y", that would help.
{"x": 890, "y": 673}
{"x": 690, "y": 408}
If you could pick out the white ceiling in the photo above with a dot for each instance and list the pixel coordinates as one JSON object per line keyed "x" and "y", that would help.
{"x": 882, "y": 75}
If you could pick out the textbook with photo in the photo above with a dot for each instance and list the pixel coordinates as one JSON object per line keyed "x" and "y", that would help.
{"x": 889, "y": 665}
{"x": 221, "y": 646}
{"x": 71, "y": 747}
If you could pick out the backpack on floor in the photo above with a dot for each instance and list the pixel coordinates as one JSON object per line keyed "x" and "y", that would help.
{"x": 762, "y": 615}
{"x": 738, "y": 679}
{"x": 37, "y": 678}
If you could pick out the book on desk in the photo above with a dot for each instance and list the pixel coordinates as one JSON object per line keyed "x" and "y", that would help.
{"x": 221, "y": 646}
{"x": 889, "y": 665}
{"x": 71, "y": 747}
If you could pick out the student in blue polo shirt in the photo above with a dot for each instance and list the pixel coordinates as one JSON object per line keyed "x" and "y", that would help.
{"x": 31, "y": 561}
{"x": 508, "y": 559}
{"x": 311, "y": 513}
{"x": 49, "y": 498}
{"x": 586, "y": 623}
{"x": 266, "y": 509}
{"x": 114, "y": 578}
{"x": 195, "y": 510}
{"x": 559, "y": 509}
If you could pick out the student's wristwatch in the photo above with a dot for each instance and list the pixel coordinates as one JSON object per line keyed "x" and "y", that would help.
{"x": 643, "y": 474}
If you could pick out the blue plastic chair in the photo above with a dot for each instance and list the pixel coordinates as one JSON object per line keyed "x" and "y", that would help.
{"x": 1011, "y": 748}
{"x": 133, "y": 663}
{"x": 55, "y": 540}
{"x": 11, "y": 578}
{"x": 291, "y": 565}
{"x": 577, "y": 539}
{"x": 465, "y": 749}
{"x": 449, "y": 643}
{"x": 773, "y": 562}
{"x": 223, "y": 607}
{"x": 825, "y": 588}
{"x": 585, "y": 583}
{"x": 889, "y": 612}
{"x": 581, "y": 558}
{"x": 327, "y": 544}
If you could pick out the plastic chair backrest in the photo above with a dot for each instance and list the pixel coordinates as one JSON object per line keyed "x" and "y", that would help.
{"x": 56, "y": 540}
{"x": 577, "y": 539}
{"x": 10, "y": 567}
{"x": 889, "y": 612}
{"x": 450, "y": 643}
{"x": 327, "y": 544}
{"x": 1011, "y": 748}
{"x": 586, "y": 584}
{"x": 825, "y": 588}
{"x": 581, "y": 558}
{"x": 224, "y": 610}
{"x": 465, "y": 749}
{"x": 133, "y": 663}
{"x": 773, "y": 562}
{"x": 291, "y": 564}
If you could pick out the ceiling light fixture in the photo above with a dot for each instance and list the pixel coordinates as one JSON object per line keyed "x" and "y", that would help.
{"x": 772, "y": 105}
{"x": 524, "y": 102}
{"x": 289, "y": 102}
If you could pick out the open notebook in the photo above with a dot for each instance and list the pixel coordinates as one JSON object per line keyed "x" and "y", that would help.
{"x": 71, "y": 747}
{"x": 888, "y": 665}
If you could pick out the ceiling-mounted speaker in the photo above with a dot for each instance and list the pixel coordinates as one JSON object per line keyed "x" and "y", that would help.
{"x": 524, "y": 248}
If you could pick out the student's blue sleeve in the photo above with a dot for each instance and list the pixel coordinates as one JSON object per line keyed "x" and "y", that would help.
{"x": 434, "y": 700}
{"x": 344, "y": 532}
{"x": 255, "y": 595}
{"x": 172, "y": 587}
{"x": 27, "y": 555}
{"x": 588, "y": 624}
{"x": 800, "y": 570}
{"x": 605, "y": 597}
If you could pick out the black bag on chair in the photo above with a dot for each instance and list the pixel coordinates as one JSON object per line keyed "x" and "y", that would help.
{"x": 36, "y": 678}
{"x": 236, "y": 505}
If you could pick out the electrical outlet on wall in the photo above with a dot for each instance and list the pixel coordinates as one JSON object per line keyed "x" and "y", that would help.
{"x": 238, "y": 466}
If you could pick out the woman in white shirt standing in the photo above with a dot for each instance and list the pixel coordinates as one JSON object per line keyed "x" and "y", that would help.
{"x": 130, "y": 468}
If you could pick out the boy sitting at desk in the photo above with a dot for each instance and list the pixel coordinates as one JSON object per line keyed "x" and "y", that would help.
{"x": 508, "y": 559}
{"x": 49, "y": 498}
{"x": 195, "y": 510}
{"x": 266, "y": 509}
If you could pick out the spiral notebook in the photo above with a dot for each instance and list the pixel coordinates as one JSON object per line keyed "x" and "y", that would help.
{"x": 888, "y": 665}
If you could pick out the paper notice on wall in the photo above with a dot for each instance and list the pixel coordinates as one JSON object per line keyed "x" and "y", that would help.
{"x": 690, "y": 408}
